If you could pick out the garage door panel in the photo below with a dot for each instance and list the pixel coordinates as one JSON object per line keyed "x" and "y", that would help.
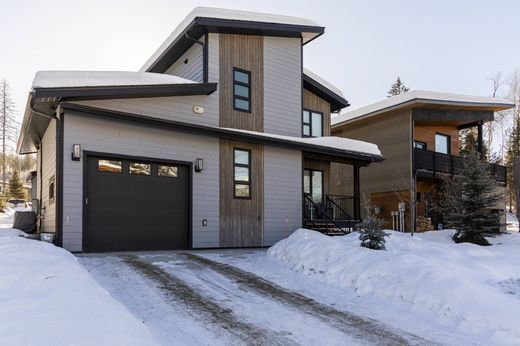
{"x": 129, "y": 212}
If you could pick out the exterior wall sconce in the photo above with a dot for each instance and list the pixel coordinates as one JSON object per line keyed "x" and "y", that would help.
{"x": 199, "y": 163}
{"x": 76, "y": 152}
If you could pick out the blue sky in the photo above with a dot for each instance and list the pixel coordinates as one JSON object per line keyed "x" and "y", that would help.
{"x": 434, "y": 45}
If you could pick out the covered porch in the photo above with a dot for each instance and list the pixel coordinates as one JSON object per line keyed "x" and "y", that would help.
{"x": 327, "y": 207}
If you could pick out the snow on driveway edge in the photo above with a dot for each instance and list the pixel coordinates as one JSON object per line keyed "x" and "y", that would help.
{"x": 48, "y": 298}
{"x": 457, "y": 281}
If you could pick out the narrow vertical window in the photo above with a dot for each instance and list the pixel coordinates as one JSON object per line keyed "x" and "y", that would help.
{"x": 242, "y": 173}
{"x": 51, "y": 190}
{"x": 241, "y": 90}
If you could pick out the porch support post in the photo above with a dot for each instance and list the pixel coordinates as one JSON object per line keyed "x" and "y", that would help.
{"x": 357, "y": 193}
{"x": 480, "y": 146}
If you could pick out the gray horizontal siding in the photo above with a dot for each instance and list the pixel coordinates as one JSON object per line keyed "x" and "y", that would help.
{"x": 48, "y": 170}
{"x": 282, "y": 193}
{"x": 282, "y": 86}
{"x": 178, "y": 108}
{"x": 108, "y": 136}
{"x": 193, "y": 68}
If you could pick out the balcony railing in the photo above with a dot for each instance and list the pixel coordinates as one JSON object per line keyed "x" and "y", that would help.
{"x": 432, "y": 162}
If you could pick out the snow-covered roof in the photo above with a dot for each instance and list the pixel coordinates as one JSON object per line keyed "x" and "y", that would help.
{"x": 228, "y": 14}
{"x": 420, "y": 97}
{"x": 323, "y": 82}
{"x": 341, "y": 143}
{"x": 64, "y": 79}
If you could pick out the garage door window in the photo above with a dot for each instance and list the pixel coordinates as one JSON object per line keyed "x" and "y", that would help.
{"x": 137, "y": 168}
{"x": 167, "y": 171}
{"x": 109, "y": 166}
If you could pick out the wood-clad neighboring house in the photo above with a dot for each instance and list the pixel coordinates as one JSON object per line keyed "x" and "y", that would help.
{"x": 418, "y": 134}
{"x": 222, "y": 139}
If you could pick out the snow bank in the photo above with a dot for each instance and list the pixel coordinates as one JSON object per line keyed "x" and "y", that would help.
{"x": 47, "y": 298}
{"x": 478, "y": 287}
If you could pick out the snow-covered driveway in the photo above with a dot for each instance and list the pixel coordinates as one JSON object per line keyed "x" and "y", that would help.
{"x": 187, "y": 298}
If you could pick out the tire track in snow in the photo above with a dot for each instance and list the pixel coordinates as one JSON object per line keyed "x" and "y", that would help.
{"x": 361, "y": 328}
{"x": 205, "y": 307}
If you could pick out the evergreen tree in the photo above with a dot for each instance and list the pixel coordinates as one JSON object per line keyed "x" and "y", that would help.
{"x": 512, "y": 155}
{"x": 371, "y": 232}
{"x": 468, "y": 142}
{"x": 16, "y": 188}
{"x": 397, "y": 88}
{"x": 471, "y": 213}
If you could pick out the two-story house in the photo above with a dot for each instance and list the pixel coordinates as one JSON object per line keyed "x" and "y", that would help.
{"x": 222, "y": 139}
{"x": 418, "y": 134}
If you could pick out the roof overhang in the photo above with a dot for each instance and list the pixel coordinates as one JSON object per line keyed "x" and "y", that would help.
{"x": 127, "y": 91}
{"x": 384, "y": 107}
{"x": 202, "y": 25}
{"x": 337, "y": 102}
{"x": 240, "y": 135}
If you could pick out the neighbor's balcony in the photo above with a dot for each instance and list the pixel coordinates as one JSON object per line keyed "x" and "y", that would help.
{"x": 430, "y": 163}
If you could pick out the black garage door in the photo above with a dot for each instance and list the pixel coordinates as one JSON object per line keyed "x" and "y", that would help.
{"x": 134, "y": 205}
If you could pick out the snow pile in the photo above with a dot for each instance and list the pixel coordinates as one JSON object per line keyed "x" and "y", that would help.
{"x": 71, "y": 79}
{"x": 476, "y": 287}
{"x": 47, "y": 298}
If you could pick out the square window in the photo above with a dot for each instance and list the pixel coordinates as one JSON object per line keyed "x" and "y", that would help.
{"x": 241, "y": 157}
{"x": 167, "y": 171}
{"x": 241, "y": 173}
{"x": 241, "y": 90}
{"x": 241, "y": 76}
{"x": 312, "y": 124}
{"x": 137, "y": 168}
{"x": 242, "y": 191}
{"x": 242, "y": 105}
{"x": 111, "y": 166}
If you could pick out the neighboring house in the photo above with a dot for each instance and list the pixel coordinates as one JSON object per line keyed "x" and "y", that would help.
{"x": 418, "y": 134}
{"x": 216, "y": 142}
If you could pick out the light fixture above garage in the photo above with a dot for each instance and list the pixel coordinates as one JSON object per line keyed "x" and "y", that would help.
{"x": 199, "y": 165}
{"x": 76, "y": 152}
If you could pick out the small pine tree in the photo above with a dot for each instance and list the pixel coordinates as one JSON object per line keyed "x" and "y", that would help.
{"x": 471, "y": 213}
{"x": 397, "y": 88}
{"x": 512, "y": 155}
{"x": 371, "y": 232}
{"x": 16, "y": 188}
{"x": 468, "y": 142}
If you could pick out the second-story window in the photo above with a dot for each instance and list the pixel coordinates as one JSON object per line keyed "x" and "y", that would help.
{"x": 312, "y": 124}
{"x": 241, "y": 90}
{"x": 442, "y": 143}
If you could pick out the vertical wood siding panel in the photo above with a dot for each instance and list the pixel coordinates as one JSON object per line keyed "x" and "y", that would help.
{"x": 241, "y": 220}
{"x": 282, "y": 86}
{"x": 101, "y": 135}
{"x": 244, "y": 52}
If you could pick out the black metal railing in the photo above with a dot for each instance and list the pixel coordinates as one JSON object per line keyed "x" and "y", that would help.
{"x": 434, "y": 162}
{"x": 332, "y": 216}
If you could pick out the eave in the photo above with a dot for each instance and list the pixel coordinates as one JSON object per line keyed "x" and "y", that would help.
{"x": 336, "y": 101}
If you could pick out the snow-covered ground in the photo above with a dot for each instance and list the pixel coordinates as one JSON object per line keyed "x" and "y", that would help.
{"x": 48, "y": 298}
{"x": 474, "y": 289}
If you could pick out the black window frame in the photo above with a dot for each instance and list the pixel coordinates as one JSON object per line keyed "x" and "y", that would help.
{"x": 246, "y": 85}
{"x": 52, "y": 187}
{"x": 310, "y": 123}
{"x": 448, "y": 143}
{"x": 422, "y": 143}
{"x": 311, "y": 170}
{"x": 241, "y": 182}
